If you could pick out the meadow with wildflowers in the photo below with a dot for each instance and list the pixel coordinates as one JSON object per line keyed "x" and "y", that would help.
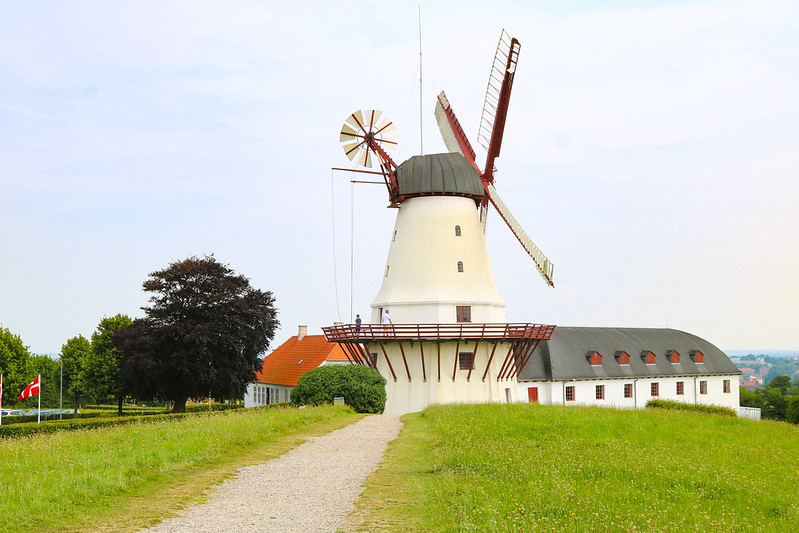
{"x": 527, "y": 467}
{"x": 123, "y": 478}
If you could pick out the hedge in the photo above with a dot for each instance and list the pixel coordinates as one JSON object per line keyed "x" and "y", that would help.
{"x": 713, "y": 409}
{"x": 362, "y": 388}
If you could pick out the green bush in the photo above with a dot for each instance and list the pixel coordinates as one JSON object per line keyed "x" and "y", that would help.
{"x": 714, "y": 409}
{"x": 362, "y": 388}
{"x": 792, "y": 414}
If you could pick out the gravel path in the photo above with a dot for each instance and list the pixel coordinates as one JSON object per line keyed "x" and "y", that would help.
{"x": 310, "y": 488}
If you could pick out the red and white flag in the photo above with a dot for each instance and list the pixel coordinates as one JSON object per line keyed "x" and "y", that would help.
{"x": 31, "y": 390}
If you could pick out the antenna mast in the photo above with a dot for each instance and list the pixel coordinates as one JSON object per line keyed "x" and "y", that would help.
{"x": 421, "y": 131}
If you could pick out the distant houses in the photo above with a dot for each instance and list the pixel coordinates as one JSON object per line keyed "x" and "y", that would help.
{"x": 282, "y": 368}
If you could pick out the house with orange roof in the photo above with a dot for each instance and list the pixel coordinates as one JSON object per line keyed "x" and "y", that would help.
{"x": 283, "y": 367}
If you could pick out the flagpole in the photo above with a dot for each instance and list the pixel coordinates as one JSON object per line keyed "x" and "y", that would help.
{"x": 39, "y": 411}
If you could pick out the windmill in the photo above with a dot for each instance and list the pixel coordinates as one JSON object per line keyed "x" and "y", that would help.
{"x": 448, "y": 339}
{"x": 364, "y": 137}
{"x": 492, "y": 127}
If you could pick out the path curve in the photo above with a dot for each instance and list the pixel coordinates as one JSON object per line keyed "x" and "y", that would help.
{"x": 309, "y": 489}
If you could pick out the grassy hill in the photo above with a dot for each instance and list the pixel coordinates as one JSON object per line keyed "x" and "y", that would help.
{"x": 529, "y": 467}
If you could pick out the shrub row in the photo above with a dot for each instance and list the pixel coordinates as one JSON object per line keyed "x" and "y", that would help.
{"x": 680, "y": 406}
{"x": 93, "y": 421}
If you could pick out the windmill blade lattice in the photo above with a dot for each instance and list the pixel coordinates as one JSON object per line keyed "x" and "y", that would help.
{"x": 361, "y": 131}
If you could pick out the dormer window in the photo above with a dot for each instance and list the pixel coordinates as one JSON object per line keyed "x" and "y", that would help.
{"x": 697, "y": 357}
{"x": 674, "y": 356}
{"x": 623, "y": 358}
{"x": 457, "y": 231}
{"x": 595, "y": 358}
{"x": 648, "y": 357}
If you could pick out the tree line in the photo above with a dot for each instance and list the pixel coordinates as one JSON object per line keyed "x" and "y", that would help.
{"x": 777, "y": 400}
{"x": 202, "y": 335}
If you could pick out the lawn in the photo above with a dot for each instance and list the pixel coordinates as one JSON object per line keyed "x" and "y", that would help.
{"x": 528, "y": 467}
{"x": 123, "y": 478}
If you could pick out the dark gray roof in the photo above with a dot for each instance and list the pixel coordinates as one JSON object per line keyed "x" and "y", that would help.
{"x": 566, "y": 355}
{"x": 447, "y": 174}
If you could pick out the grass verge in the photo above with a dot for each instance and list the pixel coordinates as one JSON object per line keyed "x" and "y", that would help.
{"x": 549, "y": 468}
{"x": 128, "y": 477}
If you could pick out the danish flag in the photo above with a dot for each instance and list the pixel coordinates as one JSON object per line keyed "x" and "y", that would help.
{"x": 31, "y": 390}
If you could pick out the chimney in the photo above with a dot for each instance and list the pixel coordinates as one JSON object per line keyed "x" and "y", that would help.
{"x": 303, "y": 331}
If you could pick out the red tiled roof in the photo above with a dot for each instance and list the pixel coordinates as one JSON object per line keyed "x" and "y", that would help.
{"x": 294, "y": 358}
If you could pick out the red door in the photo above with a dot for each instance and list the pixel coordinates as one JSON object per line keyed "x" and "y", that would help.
{"x": 532, "y": 394}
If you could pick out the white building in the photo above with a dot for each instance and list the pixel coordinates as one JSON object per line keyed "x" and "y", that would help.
{"x": 627, "y": 367}
{"x": 283, "y": 367}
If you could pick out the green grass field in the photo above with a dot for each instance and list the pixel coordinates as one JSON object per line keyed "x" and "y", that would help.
{"x": 123, "y": 478}
{"x": 528, "y": 467}
{"x": 456, "y": 468}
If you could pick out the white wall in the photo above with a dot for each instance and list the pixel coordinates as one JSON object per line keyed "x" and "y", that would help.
{"x": 265, "y": 393}
{"x": 421, "y": 283}
{"x": 407, "y": 396}
{"x": 553, "y": 392}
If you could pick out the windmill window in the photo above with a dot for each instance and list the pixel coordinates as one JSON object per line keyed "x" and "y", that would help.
{"x": 463, "y": 313}
{"x": 457, "y": 231}
{"x": 460, "y": 266}
{"x": 394, "y": 237}
{"x": 680, "y": 388}
{"x": 387, "y": 267}
{"x": 465, "y": 360}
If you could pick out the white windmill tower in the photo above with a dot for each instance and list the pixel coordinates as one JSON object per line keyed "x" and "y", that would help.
{"x": 438, "y": 285}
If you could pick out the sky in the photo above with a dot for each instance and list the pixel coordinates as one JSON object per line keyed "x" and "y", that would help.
{"x": 651, "y": 151}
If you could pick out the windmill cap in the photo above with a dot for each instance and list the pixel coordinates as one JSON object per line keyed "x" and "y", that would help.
{"x": 447, "y": 174}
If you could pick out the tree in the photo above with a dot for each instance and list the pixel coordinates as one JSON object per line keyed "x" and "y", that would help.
{"x": 50, "y": 369}
{"x": 750, "y": 398}
{"x": 15, "y": 365}
{"x": 792, "y": 413}
{"x": 203, "y": 333}
{"x": 362, "y": 388}
{"x": 781, "y": 382}
{"x": 74, "y": 355}
{"x": 101, "y": 369}
{"x": 775, "y": 403}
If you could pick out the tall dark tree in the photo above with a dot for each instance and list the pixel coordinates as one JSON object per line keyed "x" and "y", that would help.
{"x": 204, "y": 331}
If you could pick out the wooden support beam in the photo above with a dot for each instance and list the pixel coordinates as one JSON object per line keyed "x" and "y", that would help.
{"x": 391, "y": 368}
{"x": 490, "y": 358}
